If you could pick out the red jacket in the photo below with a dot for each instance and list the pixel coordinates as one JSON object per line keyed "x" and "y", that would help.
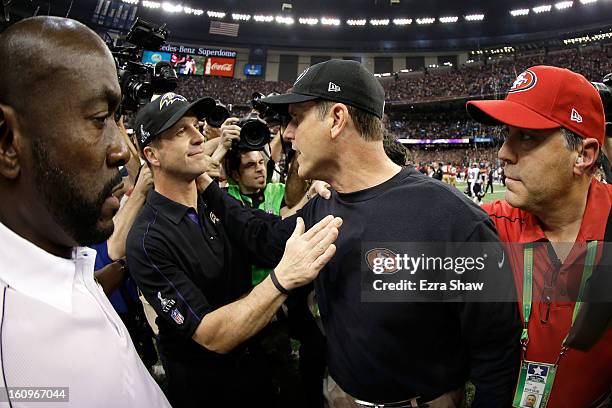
{"x": 582, "y": 377}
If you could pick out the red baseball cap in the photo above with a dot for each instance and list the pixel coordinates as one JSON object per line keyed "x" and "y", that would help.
{"x": 545, "y": 97}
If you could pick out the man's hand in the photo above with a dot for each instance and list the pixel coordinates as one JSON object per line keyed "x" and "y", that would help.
{"x": 229, "y": 132}
{"x": 144, "y": 182}
{"x": 211, "y": 132}
{"x": 213, "y": 168}
{"x": 319, "y": 187}
{"x": 124, "y": 219}
{"x": 306, "y": 253}
{"x": 203, "y": 181}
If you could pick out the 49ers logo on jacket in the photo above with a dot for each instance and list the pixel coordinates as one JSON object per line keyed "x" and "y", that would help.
{"x": 382, "y": 261}
{"x": 524, "y": 82}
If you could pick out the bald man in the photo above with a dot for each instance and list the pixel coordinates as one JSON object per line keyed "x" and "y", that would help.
{"x": 60, "y": 149}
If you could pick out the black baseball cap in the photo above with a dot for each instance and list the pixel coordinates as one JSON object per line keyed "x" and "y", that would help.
{"x": 161, "y": 114}
{"x": 335, "y": 80}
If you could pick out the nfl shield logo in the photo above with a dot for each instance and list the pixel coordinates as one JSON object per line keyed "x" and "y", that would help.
{"x": 177, "y": 316}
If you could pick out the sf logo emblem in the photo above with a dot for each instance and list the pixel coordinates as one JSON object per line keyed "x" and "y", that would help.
{"x": 524, "y": 82}
{"x": 382, "y": 261}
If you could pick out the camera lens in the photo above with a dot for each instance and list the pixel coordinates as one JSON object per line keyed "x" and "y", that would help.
{"x": 138, "y": 89}
{"x": 254, "y": 134}
{"x": 164, "y": 78}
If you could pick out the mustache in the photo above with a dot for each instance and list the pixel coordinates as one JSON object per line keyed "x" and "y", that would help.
{"x": 109, "y": 187}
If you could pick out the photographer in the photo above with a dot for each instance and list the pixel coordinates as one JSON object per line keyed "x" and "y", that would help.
{"x": 247, "y": 184}
{"x": 283, "y": 165}
{"x": 183, "y": 262}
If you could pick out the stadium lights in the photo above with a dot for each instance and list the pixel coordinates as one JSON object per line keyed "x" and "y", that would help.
{"x": 501, "y": 50}
{"x": 433, "y": 66}
{"x": 195, "y": 12}
{"x": 151, "y": 4}
{"x": 577, "y": 40}
{"x": 284, "y": 20}
{"x": 598, "y": 37}
{"x": 215, "y": 14}
{"x": 542, "y": 9}
{"x": 474, "y": 17}
{"x": 330, "y": 21}
{"x": 171, "y": 8}
{"x": 446, "y": 20}
{"x": 427, "y": 20}
{"x": 309, "y": 21}
{"x": 405, "y": 70}
{"x": 361, "y": 22}
{"x": 587, "y": 38}
{"x": 470, "y": 61}
{"x": 241, "y": 17}
{"x": 448, "y": 64}
{"x": 402, "y": 21}
{"x": 564, "y": 5}
{"x": 379, "y": 22}
{"x": 263, "y": 19}
{"x": 519, "y": 12}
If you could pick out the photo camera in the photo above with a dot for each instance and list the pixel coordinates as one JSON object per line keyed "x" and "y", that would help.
{"x": 254, "y": 131}
{"x": 139, "y": 82}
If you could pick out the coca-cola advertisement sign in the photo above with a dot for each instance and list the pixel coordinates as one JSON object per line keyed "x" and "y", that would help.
{"x": 217, "y": 66}
{"x": 186, "y": 64}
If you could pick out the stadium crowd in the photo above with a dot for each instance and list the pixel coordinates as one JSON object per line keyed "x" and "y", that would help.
{"x": 440, "y": 128}
{"x": 493, "y": 78}
{"x": 461, "y": 157}
{"x": 474, "y": 79}
{"x": 227, "y": 90}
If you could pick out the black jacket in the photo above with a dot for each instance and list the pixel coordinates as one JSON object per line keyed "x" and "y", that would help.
{"x": 384, "y": 351}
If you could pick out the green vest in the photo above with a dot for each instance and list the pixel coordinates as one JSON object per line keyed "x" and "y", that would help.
{"x": 273, "y": 199}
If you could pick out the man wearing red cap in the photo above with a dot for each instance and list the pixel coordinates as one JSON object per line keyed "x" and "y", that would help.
{"x": 554, "y": 216}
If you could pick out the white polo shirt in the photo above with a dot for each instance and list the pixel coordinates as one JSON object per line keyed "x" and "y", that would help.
{"x": 60, "y": 330}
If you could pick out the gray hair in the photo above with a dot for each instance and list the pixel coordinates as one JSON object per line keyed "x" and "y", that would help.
{"x": 574, "y": 141}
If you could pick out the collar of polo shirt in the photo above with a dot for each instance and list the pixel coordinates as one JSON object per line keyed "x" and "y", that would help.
{"x": 36, "y": 273}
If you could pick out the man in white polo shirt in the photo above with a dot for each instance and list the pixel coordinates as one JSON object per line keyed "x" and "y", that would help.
{"x": 60, "y": 149}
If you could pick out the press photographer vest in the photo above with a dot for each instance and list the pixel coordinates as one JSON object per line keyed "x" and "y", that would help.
{"x": 273, "y": 199}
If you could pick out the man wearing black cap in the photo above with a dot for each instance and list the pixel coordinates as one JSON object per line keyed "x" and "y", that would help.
{"x": 179, "y": 254}
{"x": 403, "y": 354}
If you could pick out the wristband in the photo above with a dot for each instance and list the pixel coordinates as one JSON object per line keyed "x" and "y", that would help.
{"x": 277, "y": 284}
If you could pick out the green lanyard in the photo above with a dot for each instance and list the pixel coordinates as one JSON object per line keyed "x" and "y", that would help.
{"x": 528, "y": 287}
